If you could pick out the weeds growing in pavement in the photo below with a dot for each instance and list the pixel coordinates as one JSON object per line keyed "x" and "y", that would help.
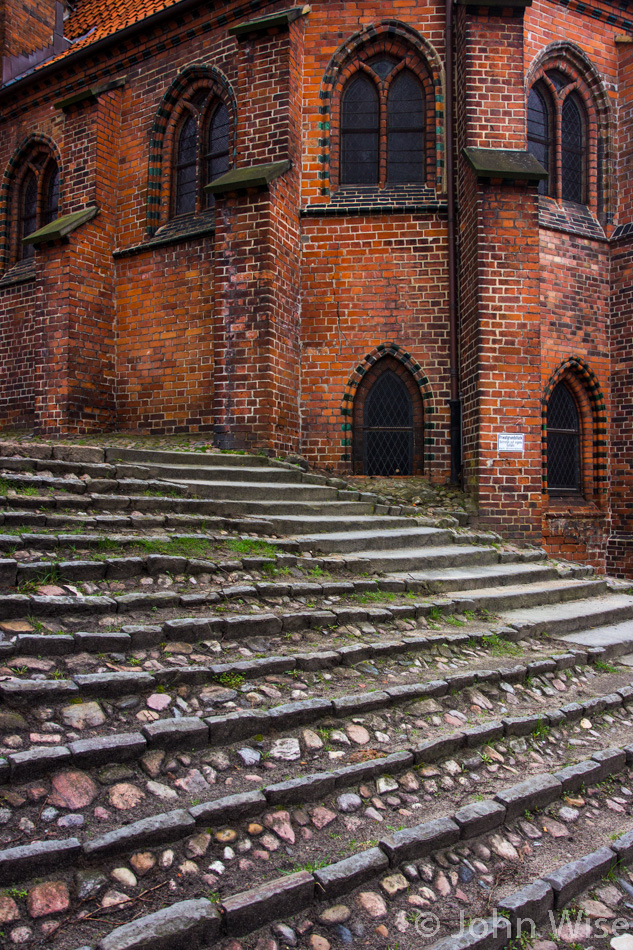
{"x": 230, "y": 680}
{"x": 541, "y": 730}
{"x": 254, "y": 547}
{"x": 605, "y": 667}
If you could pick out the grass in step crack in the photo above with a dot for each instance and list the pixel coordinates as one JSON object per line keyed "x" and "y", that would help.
{"x": 496, "y": 646}
{"x": 605, "y": 667}
{"x": 253, "y": 547}
{"x": 373, "y": 596}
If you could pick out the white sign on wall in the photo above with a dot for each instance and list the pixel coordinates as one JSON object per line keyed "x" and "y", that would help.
{"x": 511, "y": 442}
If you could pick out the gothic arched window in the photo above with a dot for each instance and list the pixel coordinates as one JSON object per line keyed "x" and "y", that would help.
{"x": 202, "y": 151}
{"x": 383, "y": 125}
{"x": 37, "y": 200}
{"x": 557, "y": 136}
{"x": 563, "y": 442}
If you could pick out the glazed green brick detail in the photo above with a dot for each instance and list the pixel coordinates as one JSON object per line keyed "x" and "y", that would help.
{"x": 280, "y": 20}
{"x": 254, "y": 176}
{"x": 61, "y": 227}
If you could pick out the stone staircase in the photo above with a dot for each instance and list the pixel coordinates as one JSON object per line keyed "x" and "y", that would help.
{"x": 244, "y": 706}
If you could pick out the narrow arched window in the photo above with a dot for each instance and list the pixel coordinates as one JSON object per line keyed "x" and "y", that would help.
{"x": 539, "y": 134}
{"x": 186, "y": 168}
{"x": 563, "y": 442}
{"x": 50, "y": 210}
{"x": 359, "y": 133}
{"x": 572, "y": 151}
{"x": 217, "y": 157}
{"x": 405, "y": 130}
{"x": 28, "y": 212}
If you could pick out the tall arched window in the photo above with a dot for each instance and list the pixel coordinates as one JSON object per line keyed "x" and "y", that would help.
{"x": 37, "y": 202}
{"x": 202, "y": 151}
{"x": 563, "y": 442}
{"x": 557, "y": 135}
{"x": 359, "y": 133}
{"x": 573, "y": 150}
{"x": 383, "y": 125}
{"x": 539, "y": 130}
{"x": 405, "y": 130}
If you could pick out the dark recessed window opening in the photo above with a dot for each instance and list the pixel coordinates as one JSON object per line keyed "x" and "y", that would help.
{"x": 388, "y": 427}
{"x": 202, "y": 152}
{"x": 359, "y": 133}
{"x": 539, "y": 129}
{"x": 572, "y": 151}
{"x": 28, "y": 212}
{"x": 563, "y": 442}
{"x": 405, "y": 130}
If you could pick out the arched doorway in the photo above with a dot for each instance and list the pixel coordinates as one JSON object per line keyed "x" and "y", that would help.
{"x": 388, "y": 422}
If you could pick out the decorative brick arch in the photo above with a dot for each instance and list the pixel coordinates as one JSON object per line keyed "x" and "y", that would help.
{"x": 584, "y": 385}
{"x": 587, "y": 83}
{"x": 414, "y": 377}
{"x": 420, "y": 57}
{"x": 11, "y": 176}
{"x": 163, "y": 129}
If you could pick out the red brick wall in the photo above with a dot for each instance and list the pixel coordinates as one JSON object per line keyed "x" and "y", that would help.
{"x": 25, "y": 25}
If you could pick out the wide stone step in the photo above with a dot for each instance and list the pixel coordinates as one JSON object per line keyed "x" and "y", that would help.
{"x": 197, "y": 459}
{"x": 617, "y": 638}
{"x": 411, "y": 559}
{"x": 223, "y": 473}
{"x": 377, "y": 539}
{"x": 560, "y": 619}
{"x": 291, "y": 507}
{"x": 532, "y": 595}
{"x": 258, "y": 491}
{"x": 295, "y": 525}
{"x": 480, "y": 576}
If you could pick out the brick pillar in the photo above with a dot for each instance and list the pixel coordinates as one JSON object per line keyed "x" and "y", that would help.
{"x": 620, "y": 545}
{"x": 499, "y": 279}
{"x": 257, "y": 253}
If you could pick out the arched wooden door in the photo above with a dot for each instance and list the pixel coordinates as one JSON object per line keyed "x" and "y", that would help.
{"x": 388, "y": 422}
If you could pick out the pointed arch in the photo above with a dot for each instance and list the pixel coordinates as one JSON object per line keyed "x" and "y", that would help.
{"x": 419, "y": 56}
{"x": 166, "y": 123}
{"x": 567, "y": 60}
{"x": 10, "y": 177}
{"x": 582, "y": 382}
{"x": 419, "y": 380}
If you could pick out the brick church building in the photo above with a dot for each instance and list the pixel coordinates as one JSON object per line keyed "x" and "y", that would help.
{"x": 393, "y": 236}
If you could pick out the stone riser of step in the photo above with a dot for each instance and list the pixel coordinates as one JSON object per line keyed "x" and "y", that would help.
{"x": 139, "y": 522}
{"x": 95, "y": 455}
{"x": 499, "y": 601}
{"x": 233, "y": 510}
{"x": 473, "y": 581}
{"x": 419, "y": 559}
{"x": 558, "y": 627}
{"x": 247, "y": 911}
{"x": 195, "y": 732}
{"x": 379, "y": 539}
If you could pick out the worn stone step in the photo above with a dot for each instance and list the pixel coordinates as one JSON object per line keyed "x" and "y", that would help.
{"x": 218, "y": 472}
{"x": 264, "y": 508}
{"x": 259, "y": 491}
{"x": 560, "y": 619}
{"x": 198, "y": 459}
{"x": 296, "y": 525}
{"x": 376, "y": 539}
{"x": 473, "y": 577}
{"x": 410, "y": 559}
{"x": 531, "y": 595}
{"x": 616, "y": 639}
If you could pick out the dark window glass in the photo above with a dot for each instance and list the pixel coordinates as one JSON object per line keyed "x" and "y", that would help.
{"x": 28, "y": 212}
{"x": 563, "y": 441}
{"x": 383, "y": 65}
{"x": 572, "y": 151}
{"x": 558, "y": 79}
{"x": 539, "y": 134}
{"x": 51, "y": 197}
{"x": 186, "y": 168}
{"x": 388, "y": 427}
{"x": 405, "y": 130}
{"x": 359, "y": 133}
{"x": 218, "y": 144}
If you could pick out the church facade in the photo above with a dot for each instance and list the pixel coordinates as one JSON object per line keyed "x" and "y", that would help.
{"x": 395, "y": 237}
